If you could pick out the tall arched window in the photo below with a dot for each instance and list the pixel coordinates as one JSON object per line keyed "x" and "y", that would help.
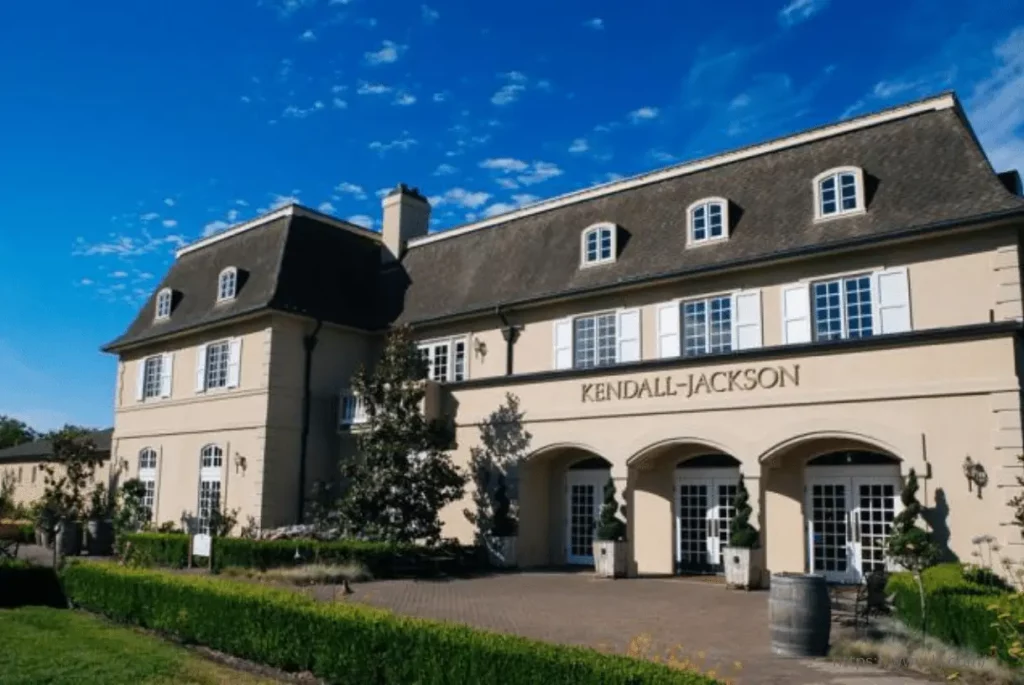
{"x": 210, "y": 461}
{"x": 227, "y": 284}
{"x": 147, "y": 475}
{"x": 839, "y": 191}
{"x": 163, "y": 303}
{"x": 598, "y": 244}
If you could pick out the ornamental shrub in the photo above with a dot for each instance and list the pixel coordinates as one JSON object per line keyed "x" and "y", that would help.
{"x": 741, "y": 532}
{"x": 342, "y": 643}
{"x": 610, "y": 527}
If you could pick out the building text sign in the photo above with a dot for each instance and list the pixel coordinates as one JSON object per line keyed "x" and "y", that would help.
{"x": 691, "y": 384}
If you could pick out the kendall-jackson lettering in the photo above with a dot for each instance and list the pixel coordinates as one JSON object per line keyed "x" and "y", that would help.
{"x": 737, "y": 380}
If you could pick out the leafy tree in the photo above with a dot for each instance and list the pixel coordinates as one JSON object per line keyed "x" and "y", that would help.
{"x": 14, "y": 432}
{"x": 741, "y": 532}
{"x": 401, "y": 476}
{"x": 1017, "y": 501}
{"x": 70, "y": 473}
{"x": 909, "y": 545}
{"x": 611, "y": 527}
{"x": 132, "y": 514}
{"x": 6, "y": 494}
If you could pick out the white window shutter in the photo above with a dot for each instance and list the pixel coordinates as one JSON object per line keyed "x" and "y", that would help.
{"x": 746, "y": 320}
{"x": 627, "y": 331}
{"x": 891, "y": 300}
{"x": 234, "y": 361}
{"x": 201, "y": 368}
{"x": 563, "y": 343}
{"x": 140, "y": 380}
{"x": 796, "y": 313}
{"x": 668, "y": 329}
{"x": 166, "y": 374}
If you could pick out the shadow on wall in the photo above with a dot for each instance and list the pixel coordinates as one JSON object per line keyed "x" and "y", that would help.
{"x": 937, "y": 518}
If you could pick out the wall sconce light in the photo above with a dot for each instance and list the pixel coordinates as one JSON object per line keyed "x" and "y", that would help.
{"x": 976, "y": 474}
{"x": 239, "y": 462}
{"x": 480, "y": 348}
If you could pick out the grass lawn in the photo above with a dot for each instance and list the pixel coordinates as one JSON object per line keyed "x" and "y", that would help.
{"x": 54, "y": 646}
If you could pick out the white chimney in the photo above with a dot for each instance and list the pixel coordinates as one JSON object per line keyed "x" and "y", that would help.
{"x": 406, "y": 216}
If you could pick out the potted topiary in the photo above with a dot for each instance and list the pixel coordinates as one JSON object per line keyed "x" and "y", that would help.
{"x": 504, "y": 528}
{"x": 99, "y": 528}
{"x": 610, "y": 543}
{"x": 44, "y": 517}
{"x": 742, "y": 556}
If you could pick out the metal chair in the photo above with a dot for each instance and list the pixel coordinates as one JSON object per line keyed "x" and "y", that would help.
{"x": 871, "y": 598}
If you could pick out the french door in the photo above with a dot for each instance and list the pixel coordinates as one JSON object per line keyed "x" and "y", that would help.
{"x": 850, "y": 512}
{"x": 705, "y": 500}
{"x": 584, "y": 497}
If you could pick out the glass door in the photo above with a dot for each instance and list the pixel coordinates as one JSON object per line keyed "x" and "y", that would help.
{"x": 585, "y": 490}
{"x": 705, "y": 506}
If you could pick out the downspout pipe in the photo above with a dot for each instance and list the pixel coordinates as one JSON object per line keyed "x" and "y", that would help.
{"x": 309, "y": 344}
{"x": 510, "y": 333}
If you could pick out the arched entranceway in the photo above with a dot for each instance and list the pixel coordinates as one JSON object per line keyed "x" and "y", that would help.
{"x": 852, "y": 500}
{"x": 705, "y": 492}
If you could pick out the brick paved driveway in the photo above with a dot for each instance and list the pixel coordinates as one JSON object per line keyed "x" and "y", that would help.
{"x": 577, "y": 608}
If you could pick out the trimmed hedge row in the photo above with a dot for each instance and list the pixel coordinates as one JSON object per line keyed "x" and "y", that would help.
{"x": 383, "y": 560}
{"x": 342, "y": 643}
{"x": 957, "y": 609}
{"x": 24, "y": 584}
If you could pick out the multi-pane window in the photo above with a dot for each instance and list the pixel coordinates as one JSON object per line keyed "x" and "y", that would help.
{"x": 152, "y": 373}
{"x": 227, "y": 284}
{"x": 147, "y": 476}
{"x": 707, "y": 326}
{"x": 211, "y": 459}
{"x": 217, "y": 357}
{"x": 838, "y": 193}
{"x": 842, "y": 308}
{"x": 707, "y": 221}
{"x": 445, "y": 360}
{"x": 163, "y": 304}
{"x": 598, "y": 244}
{"x": 594, "y": 340}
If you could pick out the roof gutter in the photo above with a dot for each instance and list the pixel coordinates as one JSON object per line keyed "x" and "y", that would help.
{"x": 798, "y": 253}
{"x": 309, "y": 344}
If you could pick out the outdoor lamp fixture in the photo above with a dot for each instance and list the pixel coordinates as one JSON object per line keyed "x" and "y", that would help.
{"x": 975, "y": 474}
{"x": 480, "y": 347}
{"x": 239, "y": 462}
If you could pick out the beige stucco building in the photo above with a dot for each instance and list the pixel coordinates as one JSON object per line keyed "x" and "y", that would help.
{"x": 819, "y": 313}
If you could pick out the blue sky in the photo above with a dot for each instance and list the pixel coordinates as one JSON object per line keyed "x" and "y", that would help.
{"x": 130, "y": 128}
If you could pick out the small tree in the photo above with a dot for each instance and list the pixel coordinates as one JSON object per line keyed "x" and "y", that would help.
{"x": 909, "y": 545}
{"x": 503, "y": 524}
{"x": 741, "y": 532}
{"x": 14, "y": 432}
{"x": 611, "y": 527}
{"x": 1017, "y": 501}
{"x": 401, "y": 476}
{"x": 6, "y": 494}
{"x": 101, "y": 503}
{"x": 132, "y": 514}
{"x": 68, "y": 476}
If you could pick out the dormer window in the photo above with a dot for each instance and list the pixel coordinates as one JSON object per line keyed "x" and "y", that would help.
{"x": 839, "y": 192}
{"x": 163, "y": 304}
{"x": 708, "y": 220}
{"x": 227, "y": 284}
{"x": 598, "y": 245}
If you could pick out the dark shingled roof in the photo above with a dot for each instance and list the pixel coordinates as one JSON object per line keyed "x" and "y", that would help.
{"x": 43, "y": 449}
{"x": 293, "y": 264}
{"x": 920, "y": 170}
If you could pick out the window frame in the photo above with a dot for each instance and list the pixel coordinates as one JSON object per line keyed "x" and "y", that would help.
{"x": 614, "y": 314}
{"x": 222, "y": 277}
{"x": 681, "y": 303}
{"x": 157, "y": 381}
{"x": 837, "y": 173}
{"x": 706, "y": 203}
{"x": 226, "y": 342}
{"x": 842, "y": 279}
{"x": 450, "y": 358}
{"x": 209, "y": 474}
{"x": 164, "y": 295}
{"x": 148, "y": 477}
{"x": 599, "y": 229}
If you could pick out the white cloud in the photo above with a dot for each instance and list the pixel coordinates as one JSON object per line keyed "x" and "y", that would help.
{"x": 460, "y": 197}
{"x": 439, "y": 97}
{"x": 518, "y": 201}
{"x": 126, "y": 246}
{"x": 540, "y": 172}
{"x": 169, "y": 223}
{"x": 282, "y": 200}
{"x": 429, "y": 14}
{"x": 294, "y": 112}
{"x": 596, "y": 23}
{"x": 86, "y": 281}
{"x": 361, "y": 220}
{"x": 382, "y": 192}
{"x": 661, "y": 156}
{"x": 444, "y": 170}
{"x": 214, "y": 227}
{"x": 352, "y": 189}
{"x": 326, "y": 208}
{"x": 308, "y": 36}
{"x": 515, "y": 85}
{"x": 338, "y": 103}
{"x": 119, "y": 274}
{"x": 643, "y": 114}
{"x": 740, "y": 101}
{"x": 241, "y": 203}
{"x": 286, "y": 8}
{"x": 996, "y": 105}
{"x": 888, "y": 89}
{"x": 523, "y": 199}
{"x": 405, "y": 99}
{"x": 579, "y": 145}
{"x": 246, "y": 99}
{"x": 232, "y": 215}
{"x": 800, "y": 10}
{"x": 387, "y": 54}
{"x": 507, "y": 183}
{"x": 367, "y": 21}
{"x": 504, "y": 164}
{"x": 526, "y": 173}
{"x": 373, "y": 88}
{"x": 339, "y": 88}
{"x": 169, "y": 201}
{"x": 149, "y": 216}
{"x": 403, "y": 143}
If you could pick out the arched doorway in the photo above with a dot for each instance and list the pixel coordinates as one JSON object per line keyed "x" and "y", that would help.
{"x": 852, "y": 500}
{"x": 585, "y": 481}
{"x": 705, "y": 492}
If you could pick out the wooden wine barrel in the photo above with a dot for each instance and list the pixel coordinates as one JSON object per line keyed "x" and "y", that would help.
{"x": 800, "y": 615}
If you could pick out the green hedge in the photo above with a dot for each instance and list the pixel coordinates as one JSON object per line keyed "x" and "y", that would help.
{"x": 342, "y": 643}
{"x": 957, "y": 609}
{"x": 24, "y": 584}
{"x": 383, "y": 560}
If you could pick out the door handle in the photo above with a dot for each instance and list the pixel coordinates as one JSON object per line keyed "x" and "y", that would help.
{"x": 856, "y": 526}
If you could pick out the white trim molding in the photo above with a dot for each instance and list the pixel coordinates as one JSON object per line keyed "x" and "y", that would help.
{"x": 222, "y": 279}
{"x": 165, "y": 295}
{"x": 599, "y": 229}
{"x": 837, "y": 173}
{"x": 707, "y": 203}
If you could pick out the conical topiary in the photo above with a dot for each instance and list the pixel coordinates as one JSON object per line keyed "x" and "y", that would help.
{"x": 610, "y": 527}
{"x": 503, "y": 524}
{"x": 741, "y": 532}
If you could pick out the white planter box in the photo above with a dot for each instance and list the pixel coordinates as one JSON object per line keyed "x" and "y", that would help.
{"x": 743, "y": 567}
{"x": 610, "y": 558}
{"x": 502, "y": 552}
